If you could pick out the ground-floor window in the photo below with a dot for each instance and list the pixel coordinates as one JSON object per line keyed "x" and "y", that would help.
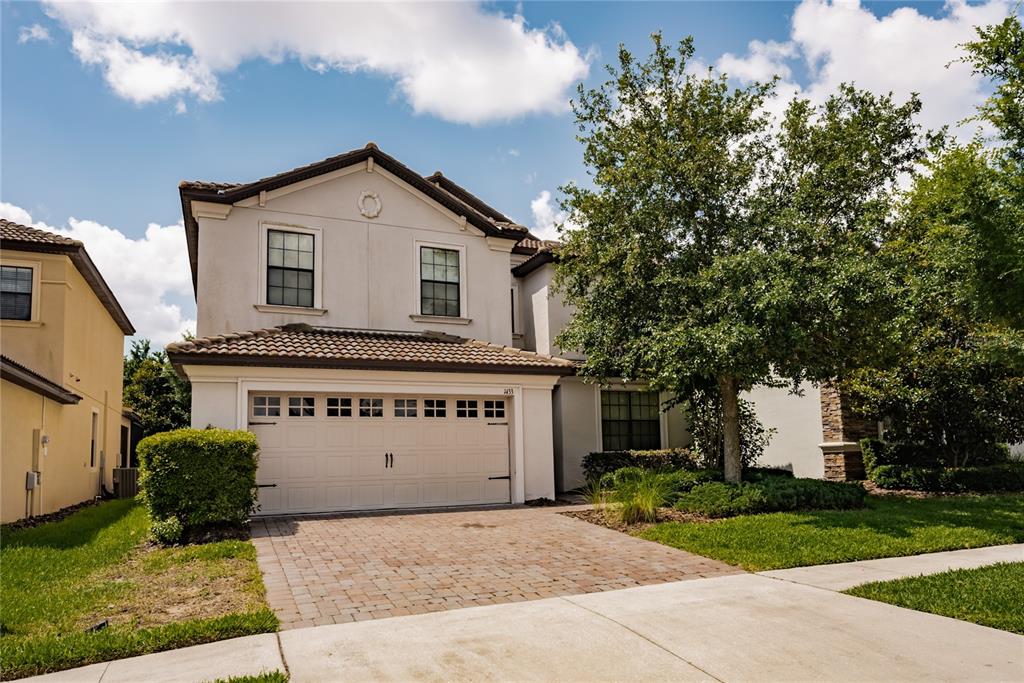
{"x": 630, "y": 420}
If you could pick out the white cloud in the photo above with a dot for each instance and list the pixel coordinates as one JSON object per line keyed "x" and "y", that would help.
{"x": 762, "y": 61}
{"x": 34, "y": 33}
{"x": 457, "y": 61}
{"x": 547, "y": 217}
{"x": 902, "y": 52}
{"x": 143, "y": 78}
{"x": 142, "y": 273}
{"x": 513, "y": 152}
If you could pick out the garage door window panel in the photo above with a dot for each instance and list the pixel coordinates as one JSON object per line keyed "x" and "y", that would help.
{"x": 266, "y": 406}
{"x": 301, "y": 406}
{"x": 435, "y": 407}
{"x": 371, "y": 407}
{"x": 338, "y": 406}
{"x": 494, "y": 409}
{"x": 405, "y": 407}
{"x": 465, "y": 408}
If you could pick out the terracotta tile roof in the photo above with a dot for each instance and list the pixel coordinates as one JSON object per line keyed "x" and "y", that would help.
{"x": 531, "y": 245}
{"x": 23, "y": 233}
{"x": 16, "y": 373}
{"x": 443, "y": 191}
{"x": 17, "y": 237}
{"x": 300, "y": 345}
{"x": 544, "y": 251}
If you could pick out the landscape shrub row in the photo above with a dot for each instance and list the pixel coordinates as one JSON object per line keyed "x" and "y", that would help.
{"x": 770, "y": 494}
{"x": 902, "y": 466}
{"x": 194, "y": 478}
{"x": 1006, "y": 477}
{"x": 600, "y": 463}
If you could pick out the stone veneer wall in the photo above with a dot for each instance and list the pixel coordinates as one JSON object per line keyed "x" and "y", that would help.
{"x": 842, "y": 430}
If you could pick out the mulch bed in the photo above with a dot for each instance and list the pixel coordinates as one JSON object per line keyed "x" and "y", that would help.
{"x": 612, "y": 521}
{"x": 39, "y": 520}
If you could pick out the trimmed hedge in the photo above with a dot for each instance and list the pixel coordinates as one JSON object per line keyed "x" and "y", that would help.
{"x": 1006, "y": 477}
{"x": 199, "y": 476}
{"x": 770, "y": 494}
{"x": 902, "y": 466}
{"x": 598, "y": 464}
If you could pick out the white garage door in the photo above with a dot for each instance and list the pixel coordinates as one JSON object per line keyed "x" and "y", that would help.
{"x": 335, "y": 452}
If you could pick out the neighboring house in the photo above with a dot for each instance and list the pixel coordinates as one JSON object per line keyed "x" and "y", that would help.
{"x": 62, "y": 335}
{"x": 389, "y": 338}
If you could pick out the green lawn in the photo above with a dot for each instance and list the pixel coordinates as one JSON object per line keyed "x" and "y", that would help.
{"x": 990, "y": 596}
{"x": 889, "y": 527}
{"x": 62, "y": 577}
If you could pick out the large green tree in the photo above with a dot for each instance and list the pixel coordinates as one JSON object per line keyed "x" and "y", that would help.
{"x": 152, "y": 389}
{"x": 718, "y": 250}
{"x": 957, "y": 254}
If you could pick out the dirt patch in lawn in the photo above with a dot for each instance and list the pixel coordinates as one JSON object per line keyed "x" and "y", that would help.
{"x": 609, "y": 519}
{"x": 168, "y": 585}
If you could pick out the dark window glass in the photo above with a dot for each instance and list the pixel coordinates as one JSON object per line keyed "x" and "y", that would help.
{"x": 465, "y": 409}
{"x": 494, "y": 409}
{"x": 301, "y": 406}
{"x": 339, "y": 407}
{"x": 405, "y": 407}
{"x": 266, "y": 406}
{"x": 435, "y": 407}
{"x": 289, "y": 268}
{"x": 439, "y": 282}
{"x": 630, "y": 420}
{"x": 15, "y": 293}
{"x": 371, "y": 407}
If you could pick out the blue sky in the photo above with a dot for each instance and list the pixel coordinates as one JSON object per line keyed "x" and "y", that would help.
{"x": 81, "y": 141}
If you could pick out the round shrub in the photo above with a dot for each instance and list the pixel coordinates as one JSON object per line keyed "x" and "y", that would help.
{"x": 718, "y": 499}
{"x": 200, "y": 476}
{"x": 167, "y": 531}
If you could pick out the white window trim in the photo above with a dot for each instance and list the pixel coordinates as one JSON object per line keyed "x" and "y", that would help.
{"x": 318, "y": 269}
{"x": 37, "y": 268}
{"x": 418, "y": 315}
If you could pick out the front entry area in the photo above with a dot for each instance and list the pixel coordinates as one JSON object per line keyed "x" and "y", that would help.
{"x": 331, "y": 452}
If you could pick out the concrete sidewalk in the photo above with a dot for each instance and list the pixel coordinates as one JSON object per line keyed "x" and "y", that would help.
{"x": 733, "y": 628}
{"x": 839, "y": 577}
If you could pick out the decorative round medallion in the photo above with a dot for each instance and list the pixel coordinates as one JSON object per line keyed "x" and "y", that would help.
{"x": 369, "y": 204}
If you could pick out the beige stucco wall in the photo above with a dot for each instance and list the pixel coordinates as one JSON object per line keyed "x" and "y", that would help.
{"x": 74, "y": 343}
{"x": 544, "y": 313}
{"x": 369, "y": 273}
{"x": 797, "y": 421}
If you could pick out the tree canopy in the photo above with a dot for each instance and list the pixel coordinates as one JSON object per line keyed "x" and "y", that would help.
{"x": 719, "y": 249}
{"x": 152, "y": 389}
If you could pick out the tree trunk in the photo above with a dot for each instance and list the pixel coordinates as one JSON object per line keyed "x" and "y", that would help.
{"x": 729, "y": 388}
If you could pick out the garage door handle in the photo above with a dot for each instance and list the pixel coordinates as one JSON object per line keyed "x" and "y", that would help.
{"x": 252, "y": 424}
{"x": 493, "y": 478}
{"x": 491, "y": 424}
{"x": 266, "y": 486}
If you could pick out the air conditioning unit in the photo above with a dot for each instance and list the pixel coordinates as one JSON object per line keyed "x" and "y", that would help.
{"x": 126, "y": 482}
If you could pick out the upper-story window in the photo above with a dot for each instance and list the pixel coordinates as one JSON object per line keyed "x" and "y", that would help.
{"x": 440, "y": 282}
{"x": 15, "y": 293}
{"x": 290, "y": 267}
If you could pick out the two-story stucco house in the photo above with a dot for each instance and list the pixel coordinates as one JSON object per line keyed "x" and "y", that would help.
{"x": 389, "y": 337}
{"x": 62, "y": 333}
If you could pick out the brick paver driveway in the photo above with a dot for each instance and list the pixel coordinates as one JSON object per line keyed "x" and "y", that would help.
{"x": 327, "y": 570}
